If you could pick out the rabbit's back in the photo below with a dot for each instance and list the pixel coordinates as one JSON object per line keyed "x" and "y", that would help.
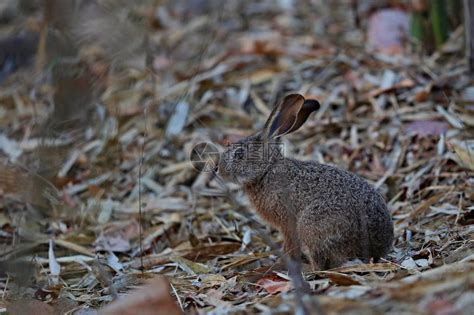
{"x": 309, "y": 182}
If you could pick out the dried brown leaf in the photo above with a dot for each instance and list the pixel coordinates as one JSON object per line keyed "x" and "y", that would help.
{"x": 152, "y": 298}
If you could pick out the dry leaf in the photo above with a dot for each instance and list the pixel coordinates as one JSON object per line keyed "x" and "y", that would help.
{"x": 29, "y": 307}
{"x": 190, "y": 266}
{"x": 275, "y": 286}
{"x": 338, "y": 278}
{"x": 387, "y": 30}
{"x": 425, "y": 128}
{"x": 116, "y": 236}
{"x": 151, "y": 299}
{"x": 464, "y": 153}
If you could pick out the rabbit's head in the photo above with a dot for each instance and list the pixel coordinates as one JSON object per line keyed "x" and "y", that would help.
{"x": 247, "y": 160}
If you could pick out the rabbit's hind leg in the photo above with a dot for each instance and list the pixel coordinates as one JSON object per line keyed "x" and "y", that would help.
{"x": 313, "y": 252}
{"x": 323, "y": 259}
{"x": 317, "y": 261}
{"x": 325, "y": 238}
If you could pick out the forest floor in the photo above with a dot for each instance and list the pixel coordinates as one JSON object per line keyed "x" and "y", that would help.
{"x": 74, "y": 176}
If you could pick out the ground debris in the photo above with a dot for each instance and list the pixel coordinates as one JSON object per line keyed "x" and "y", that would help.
{"x": 100, "y": 201}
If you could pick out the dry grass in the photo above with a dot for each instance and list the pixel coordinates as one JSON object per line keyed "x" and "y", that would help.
{"x": 404, "y": 122}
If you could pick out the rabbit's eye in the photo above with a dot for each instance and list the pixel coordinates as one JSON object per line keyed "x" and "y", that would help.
{"x": 239, "y": 154}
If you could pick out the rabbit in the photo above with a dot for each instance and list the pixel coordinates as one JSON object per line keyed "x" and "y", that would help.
{"x": 325, "y": 213}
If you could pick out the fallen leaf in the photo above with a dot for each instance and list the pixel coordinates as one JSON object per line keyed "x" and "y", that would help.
{"x": 178, "y": 120}
{"x": 387, "y": 29}
{"x": 275, "y": 286}
{"x": 116, "y": 236}
{"x": 265, "y": 43}
{"x": 338, "y": 278}
{"x": 29, "y": 307}
{"x": 190, "y": 266}
{"x": 425, "y": 205}
{"x": 464, "y": 153}
{"x": 151, "y": 299}
{"x": 86, "y": 311}
{"x": 54, "y": 267}
{"x": 409, "y": 263}
{"x": 203, "y": 252}
{"x": 406, "y": 83}
{"x": 209, "y": 281}
{"x": 423, "y": 262}
{"x": 379, "y": 267}
{"x": 214, "y": 297}
{"x": 467, "y": 218}
{"x": 441, "y": 307}
{"x": 10, "y": 147}
{"x": 426, "y": 128}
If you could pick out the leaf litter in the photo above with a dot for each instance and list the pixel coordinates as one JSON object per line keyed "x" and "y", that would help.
{"x": 75, "y": 138}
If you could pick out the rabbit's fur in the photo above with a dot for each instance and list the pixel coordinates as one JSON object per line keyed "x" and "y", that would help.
{"x": 327, "y": 213}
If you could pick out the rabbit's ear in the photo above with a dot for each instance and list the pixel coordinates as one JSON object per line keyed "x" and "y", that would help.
{"x": 283, "y": 116}
{"x": 308, "y": 107}
{"x": 289, "y": 115}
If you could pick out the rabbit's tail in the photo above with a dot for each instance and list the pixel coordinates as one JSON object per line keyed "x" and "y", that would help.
{"x": 380, "y": 229}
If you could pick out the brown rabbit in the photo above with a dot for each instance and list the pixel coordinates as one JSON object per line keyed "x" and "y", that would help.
{"x": 324, "y": 212}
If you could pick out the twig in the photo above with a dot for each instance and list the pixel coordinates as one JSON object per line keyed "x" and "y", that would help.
{"x": 142, "y": 155}
{"x": 5, "y": 288}
{"x": 177, "y": 297}
{"x": 469, "y": 31}
{"x": 41, "y": 51}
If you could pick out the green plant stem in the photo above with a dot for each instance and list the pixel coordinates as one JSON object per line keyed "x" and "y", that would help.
{"x": 439, "y": 21}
